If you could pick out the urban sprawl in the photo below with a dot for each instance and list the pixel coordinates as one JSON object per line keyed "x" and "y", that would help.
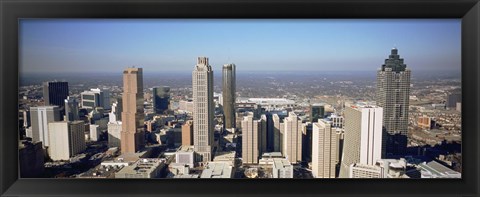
{"x": 392, "y": 128}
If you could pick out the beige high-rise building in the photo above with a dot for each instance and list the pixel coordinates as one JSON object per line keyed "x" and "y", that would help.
{"x": 66, "y": 139}
{"x": 203, "y": 109}
{"x": 187, "y": 133}
{"x": 252, "y": 133}
{"x": 324, "y": 149}
{"x": 292, "y": 139}
{"x": 133, "y": 134}
{"x": 363, "y": 136}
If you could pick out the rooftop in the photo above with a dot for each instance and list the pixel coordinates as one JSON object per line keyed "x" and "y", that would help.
{"x": 217, "y": 170}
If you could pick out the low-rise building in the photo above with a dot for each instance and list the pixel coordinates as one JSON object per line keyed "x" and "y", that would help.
{"x": 143, "y": 168}
{"x": 434, "y": 169}
{"x": 217, "y": 170}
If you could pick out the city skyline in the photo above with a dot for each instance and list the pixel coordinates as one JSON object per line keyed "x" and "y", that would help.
{"x": 105, "y": 45}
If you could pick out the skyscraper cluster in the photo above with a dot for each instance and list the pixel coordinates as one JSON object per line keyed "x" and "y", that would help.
{"x": 346, "y": 145}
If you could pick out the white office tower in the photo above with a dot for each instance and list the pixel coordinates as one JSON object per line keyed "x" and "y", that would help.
{"x": 116, "y": 113}
{"x": 66, "y": 139}
{"x": 324, "y": 149}
{"x": 94, "y": 132}
{"x": 40, "y": 117}
{"x": 363, "y": 136}
{"x": 252, "y": 132}
{"x": 95, "y": 98}
{"x": 114, "y": 130}
{"x": 203, "y": 109}
{"x": 292, "y": 140}
{"x": 71, "y": 109}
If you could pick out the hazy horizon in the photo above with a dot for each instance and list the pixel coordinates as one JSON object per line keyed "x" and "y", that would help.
{"x": 108, "y": 45}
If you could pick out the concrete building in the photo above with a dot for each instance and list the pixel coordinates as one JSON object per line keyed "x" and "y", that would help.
{"x": 40, "y": 117}
{"x": 143, "y": 168}
{"x": 55, "y": 93}
{"x": 363, "y": 136}
{"x": 337, "y": 120}
{"x": 324, "y": 150}
{"x": 186, "y": 106}
{"x": 383, "y": 168}
{"x": 185, "y": 157}
{"x": 292, "y": 140}
{"x": 228, "y": 94}
{"x": 133, "y": 134}
{"x": 269, "y": 103}
{"x": 217, "y": 170}
{"x": 358, "y": 170}
{"x": 114, "y": 130}
{"x": 94, "y": 132}
{"x": 434, "y": 169}
{"x": 252, "y": 139}
{"x": 31, "y": 159}
{"x": 116, "y": 113}
{"x": 67, "y": 139}
{"x": 392, "y": 94}
{"x": 203, "y": 109}
{"x": 95, "y": 98}
{"x": 71, "y": 109}
{"x": 187, "y": 133}
{"x": 282, "y": 168}
{"x": 161, "y": 99}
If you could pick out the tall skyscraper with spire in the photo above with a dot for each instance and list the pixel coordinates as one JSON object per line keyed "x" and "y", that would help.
{"x": 393, "y": 91}
{"x": 133, "y": 134}
{"x": 203, "y": 109}
{"x": 228, "y": 93}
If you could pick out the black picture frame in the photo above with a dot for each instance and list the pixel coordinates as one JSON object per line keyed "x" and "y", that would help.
{"x": 11, "y": 11}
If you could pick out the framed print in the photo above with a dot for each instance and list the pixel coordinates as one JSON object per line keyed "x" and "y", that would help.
{"x": 344, "y": 98}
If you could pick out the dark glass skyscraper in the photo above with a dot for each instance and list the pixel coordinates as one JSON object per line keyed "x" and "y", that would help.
{"x": 229, "y": 77}
{"x": 393, "y": 91}
{"x": 161, "y": 99}
{"x": 317, "y": 111}
{"x": 55, "y": 93}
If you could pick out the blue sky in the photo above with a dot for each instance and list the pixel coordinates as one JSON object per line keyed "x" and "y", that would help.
{"x": 110, "y": 45}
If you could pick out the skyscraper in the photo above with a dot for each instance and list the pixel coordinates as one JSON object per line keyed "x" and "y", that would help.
{"x": 317, "y": 111}
{"x": 324, "y": 149}
{"x": 252, "y": 142}
{"x": 95, "y": 98}
{"x": 392, "y": 94}
{"x": 55, "y": 93}
{"x": 203, "y": 109}
{"x": 292, "y": 144}
{"x": 133, "y": 134}
{"x": 161, "y": 99}
{"x": 116, "y": 113}
{"x": 71, "y": 109}
{"x": 228, "y": 93}
{"x": 363, "y": 136}
{"x": 66, "y": 139}
{"x": 40, "y": 117}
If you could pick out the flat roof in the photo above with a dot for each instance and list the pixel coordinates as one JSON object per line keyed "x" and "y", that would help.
{"x": 217, "y": 170}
